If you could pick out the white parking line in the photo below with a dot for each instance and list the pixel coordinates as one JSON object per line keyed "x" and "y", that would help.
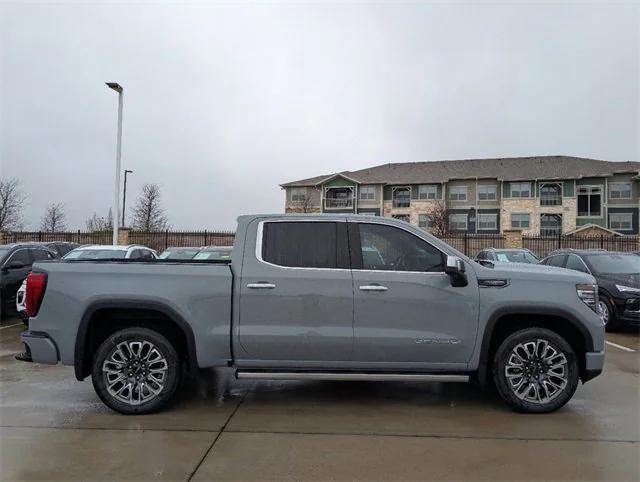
{"x": 615, "y": 345}
{"x": 9, "y": 326}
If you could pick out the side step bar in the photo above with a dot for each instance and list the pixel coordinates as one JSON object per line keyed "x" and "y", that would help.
{"x": 351, "y": 376}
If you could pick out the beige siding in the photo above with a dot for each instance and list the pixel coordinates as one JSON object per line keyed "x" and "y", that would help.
{"x": 312, "y": 193}
{"x": 371, "y": 203}
{"x": 634, "y": 190}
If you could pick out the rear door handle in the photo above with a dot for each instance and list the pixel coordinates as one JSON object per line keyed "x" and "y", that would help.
{"x": 261, "y": 286}
{"x": 373, "y": 288}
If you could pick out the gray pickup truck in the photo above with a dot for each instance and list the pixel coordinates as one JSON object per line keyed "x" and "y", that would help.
{"x": 318, "y": 297}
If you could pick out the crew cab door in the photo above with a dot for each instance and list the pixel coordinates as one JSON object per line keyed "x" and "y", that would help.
{"x": 406, "y": 313}
{"x": 296, "y": 294}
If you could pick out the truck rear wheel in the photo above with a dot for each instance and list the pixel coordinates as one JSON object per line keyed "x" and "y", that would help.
{"x": 136, "y": 371}
{"x": 535, "y": 370}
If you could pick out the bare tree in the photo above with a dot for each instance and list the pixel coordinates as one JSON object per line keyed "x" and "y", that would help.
{"x": 438, "y": 219}
{"x": 306, "y": 204}
{"x": 11, "y": 204}
{"x": 54, "y": 218}
{"x": 100, "y": 223}
{"x": 148, "y": 214}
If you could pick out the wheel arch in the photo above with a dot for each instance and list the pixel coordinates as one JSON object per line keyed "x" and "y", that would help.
{"x": 508, "y": 320}
{"x": 103, "y": 318}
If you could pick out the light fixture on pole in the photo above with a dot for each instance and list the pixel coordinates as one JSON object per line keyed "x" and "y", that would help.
{"x": 124, "y": 194}
{"x": 116, "y": 199}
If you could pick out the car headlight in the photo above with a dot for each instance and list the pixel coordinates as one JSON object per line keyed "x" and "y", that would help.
{"x": 627, "y": 289}
{"x": 589, "y": 295}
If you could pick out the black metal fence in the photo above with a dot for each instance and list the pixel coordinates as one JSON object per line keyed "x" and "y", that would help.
{"x": 543, "y": 245}
{"x": 471, "y": 244}
{"x": 161, "y": 240}
{"x": 80, "y": 237}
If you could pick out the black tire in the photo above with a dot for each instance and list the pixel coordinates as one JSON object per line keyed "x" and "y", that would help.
{"x": 611, "y": 324}
{"x": 171, "y": 374}
{"x": 507, "y": 392}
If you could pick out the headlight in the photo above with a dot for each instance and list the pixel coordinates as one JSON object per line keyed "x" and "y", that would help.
{"x": 589, "y": 295}
{"x": 627, "y": 289}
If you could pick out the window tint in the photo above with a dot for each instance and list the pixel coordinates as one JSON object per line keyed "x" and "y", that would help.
{"x": 388, "y": 248}
{"x": 300, "y": 244}
{"x": 556, "y": 261}
{"x": 20, "y": 256}
{"x": 40, "y": 254}
{"x": 576, "y": 264}
{"x": 135, "y": 254}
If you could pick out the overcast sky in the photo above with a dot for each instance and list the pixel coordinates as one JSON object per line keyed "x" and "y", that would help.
{"x": 223, "y": 102}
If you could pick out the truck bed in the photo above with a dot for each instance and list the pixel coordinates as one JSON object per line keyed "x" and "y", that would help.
{"x": 198, "y": 293}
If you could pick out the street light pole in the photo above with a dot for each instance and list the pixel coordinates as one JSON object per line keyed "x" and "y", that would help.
{"x": 116, "y": 199}
{"x": 124, "y": 194}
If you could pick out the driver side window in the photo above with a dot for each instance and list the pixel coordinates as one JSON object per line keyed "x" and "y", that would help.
{"x": 387, "y": 248}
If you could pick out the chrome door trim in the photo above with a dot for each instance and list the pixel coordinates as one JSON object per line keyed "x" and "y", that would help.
{"x": 261, "y": 286}
{"x": 373, "y": 288}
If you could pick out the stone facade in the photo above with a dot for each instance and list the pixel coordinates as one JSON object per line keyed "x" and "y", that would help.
{"x": 418, "y": 206}
{"x": 532, "y": 207}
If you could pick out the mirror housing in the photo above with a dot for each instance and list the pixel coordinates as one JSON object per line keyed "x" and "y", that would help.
{"x": 456, "y": 270}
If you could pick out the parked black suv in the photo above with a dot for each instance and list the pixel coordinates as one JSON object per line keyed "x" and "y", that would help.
{"x": 618, "y": 278}
{"x": 15, "y": 263}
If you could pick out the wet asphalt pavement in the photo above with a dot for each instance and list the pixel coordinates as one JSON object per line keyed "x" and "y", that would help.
{"x": 53, "y": 427}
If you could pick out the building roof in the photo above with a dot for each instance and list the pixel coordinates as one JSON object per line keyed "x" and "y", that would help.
{"x": 504, "y": 169}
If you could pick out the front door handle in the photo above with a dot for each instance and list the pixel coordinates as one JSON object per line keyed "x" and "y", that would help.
{"x": 261, "y": 286}
{"x": 373, "y": 288}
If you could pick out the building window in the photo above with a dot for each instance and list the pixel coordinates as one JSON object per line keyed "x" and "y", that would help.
{"x": 367, "y": 193}
{"x": 550, "y": 195}
{"x": 520, "y": 221}
{"x": 458, "y": 193}
{"x": 620, "y": 190}
{"x": 427, "y": 192}
{"x": 298, "y": 195}
{"x": 402, "y": 197}
{"x": 487, "y": 222}
{"x": 550, "y": 224}
{"x": 520, "y": 189}
{"x": 621, "y": 221}
{"x": 402, "y": 217}
{"x": 458, "y": 222}
{"x": 487, "y": 193}
{"x": 424, "y": 221}
{"x": 590, "y": 201}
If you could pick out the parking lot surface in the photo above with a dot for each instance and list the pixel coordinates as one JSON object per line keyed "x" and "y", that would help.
{"x": 53, "y": 427}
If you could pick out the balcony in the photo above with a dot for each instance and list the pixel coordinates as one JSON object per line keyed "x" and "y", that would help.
{"x": 338, "y": 203}
{"x": 339, "y": 198}
{"x": 550, "y": 200}
{"x": 402, "y": 197}
{"x": 550, "y": 195}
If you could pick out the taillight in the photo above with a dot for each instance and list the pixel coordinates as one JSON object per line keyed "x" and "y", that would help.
{"x": 36, "y": 283}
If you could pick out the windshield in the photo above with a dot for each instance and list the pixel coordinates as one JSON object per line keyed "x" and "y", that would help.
{"x": 515, "y": 257}
{"x": 184, "y": 253}
{"x": 214, "y": 254}
{"x": 612, "y": 263}
{"x": 95, "y": 254}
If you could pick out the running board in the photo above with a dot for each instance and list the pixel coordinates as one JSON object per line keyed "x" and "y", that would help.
{"x": 348, "y": 376}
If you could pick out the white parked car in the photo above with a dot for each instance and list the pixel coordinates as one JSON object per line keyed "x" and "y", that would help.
{"x": 98, "y": 251}
{"x": 20, "y": 300}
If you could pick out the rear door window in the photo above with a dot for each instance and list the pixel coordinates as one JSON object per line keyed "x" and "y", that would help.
{"x": 40, "y": 254}
{"x": 576, "y": 264}
{"x": 301, "y": 244}
{"x": 20, "y": 256}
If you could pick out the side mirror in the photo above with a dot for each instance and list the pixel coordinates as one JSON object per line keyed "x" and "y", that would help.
{"x": 455, "y": 269}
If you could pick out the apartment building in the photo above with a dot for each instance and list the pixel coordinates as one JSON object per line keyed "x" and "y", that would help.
{"x": 548, "y": 195}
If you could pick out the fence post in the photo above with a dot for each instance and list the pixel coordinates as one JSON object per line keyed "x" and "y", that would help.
{"x": 205, "y": 238}
{"x": 513, "y": 238}
{"x": 123, "y": 236}
{"x": 39, "y": 235}
{"x": 166, "y": 239}
{"x": 466, "y": 245}
{"x": 602, "y": 241}
{"x": 559, "y": 240}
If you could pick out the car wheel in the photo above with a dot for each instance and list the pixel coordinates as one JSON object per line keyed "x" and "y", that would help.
{"x": 136, "y": 371}
{"x": 535, "y": 370}
{"x": 607, "y": 314}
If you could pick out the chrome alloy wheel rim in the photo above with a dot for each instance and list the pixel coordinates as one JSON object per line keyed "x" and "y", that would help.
{"x": 135, "y": 372}
{"x": 604, "y": 312}
{"x": 537, "y": 372}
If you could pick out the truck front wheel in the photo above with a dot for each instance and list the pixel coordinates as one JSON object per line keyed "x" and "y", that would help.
{"x": 136, "y": 371}
{"x": 535, "y": 370}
